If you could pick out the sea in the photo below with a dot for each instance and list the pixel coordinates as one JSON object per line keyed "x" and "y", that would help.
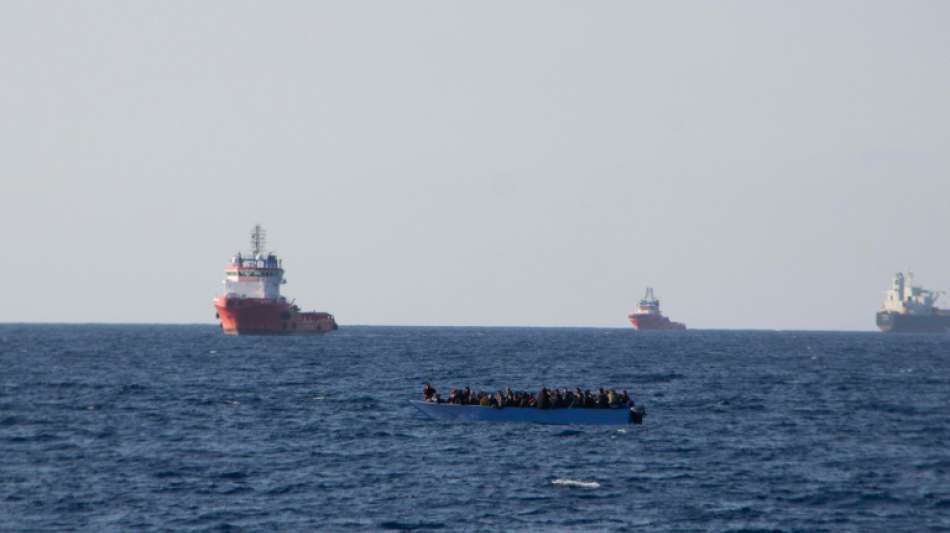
{"x": 180, "y": 428}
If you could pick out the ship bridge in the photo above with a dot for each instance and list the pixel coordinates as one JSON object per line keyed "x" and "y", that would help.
{"x": 258, "y": 275}
{"x": 649, "y": 303}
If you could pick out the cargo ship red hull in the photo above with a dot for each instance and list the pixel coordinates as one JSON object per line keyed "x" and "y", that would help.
{"x": 652, "y": 322}
{"x": 260, "y": 316}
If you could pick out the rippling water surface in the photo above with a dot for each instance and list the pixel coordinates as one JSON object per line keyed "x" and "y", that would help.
{"x": 135, "y": 428}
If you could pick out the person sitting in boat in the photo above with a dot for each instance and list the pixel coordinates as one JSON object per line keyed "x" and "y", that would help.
{"x": 569, "y": 399}
{"x": 427, "y": 392}
{"x": 577, "y": 399}
{"x": 625, "y": 399}
{"x": 560, "y": 398}
{"x": 484, "y": 400}
{"x": 528, "y": 399}
{"x": 601, "y": 399}
{"x": 568, "y": 396}
{"x": 543, "y": 402}
{"x": 499, "y": 400}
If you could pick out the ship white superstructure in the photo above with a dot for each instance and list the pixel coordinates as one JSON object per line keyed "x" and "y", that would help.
{"x": 907, "y": 299}
{"x": 911, "y": 309}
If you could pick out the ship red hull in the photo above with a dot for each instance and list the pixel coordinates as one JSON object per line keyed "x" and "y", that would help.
{"x": 650, "y": 322}
{"x": 258, "y": 316}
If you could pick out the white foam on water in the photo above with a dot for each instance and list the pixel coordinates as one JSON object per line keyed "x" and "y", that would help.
{"x": 576, "y": 483}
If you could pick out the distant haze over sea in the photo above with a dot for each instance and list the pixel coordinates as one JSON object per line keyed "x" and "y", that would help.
{"x": 761, "y": 165}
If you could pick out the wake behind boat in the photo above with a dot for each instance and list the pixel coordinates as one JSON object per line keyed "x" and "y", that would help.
{"x": 561, "y": 416}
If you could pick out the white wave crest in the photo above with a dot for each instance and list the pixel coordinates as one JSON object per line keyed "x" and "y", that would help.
{"x": 576, "y": 483}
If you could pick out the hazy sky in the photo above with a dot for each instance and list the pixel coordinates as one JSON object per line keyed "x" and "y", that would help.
{"x": 761, "y": 164}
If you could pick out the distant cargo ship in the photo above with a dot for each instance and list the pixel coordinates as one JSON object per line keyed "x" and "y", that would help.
{"x": 910, "y": 309}
{"x": 252, "y": 304}
{"x": 647, "y": 316}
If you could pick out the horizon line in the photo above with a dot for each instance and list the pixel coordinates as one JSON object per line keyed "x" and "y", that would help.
{"x": 482, "y": 326}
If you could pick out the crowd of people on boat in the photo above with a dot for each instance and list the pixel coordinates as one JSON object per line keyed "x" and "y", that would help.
{"x": 543, "y": 399}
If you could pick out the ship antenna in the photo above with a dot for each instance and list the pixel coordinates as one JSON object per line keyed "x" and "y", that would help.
{"x": 258, "y": 237}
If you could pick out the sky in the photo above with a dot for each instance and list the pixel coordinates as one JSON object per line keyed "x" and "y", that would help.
{"x": 762, "y": 165}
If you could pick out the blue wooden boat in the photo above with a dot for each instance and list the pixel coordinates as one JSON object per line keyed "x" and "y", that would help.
{"x": 476, "y": 413}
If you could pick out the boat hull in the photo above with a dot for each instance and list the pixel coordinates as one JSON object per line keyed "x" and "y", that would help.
{"x": 259, "y": 316}
{"x": 650, "y": 322}
{"x": 474, "y": 413}
{"x": 891, "y": 322}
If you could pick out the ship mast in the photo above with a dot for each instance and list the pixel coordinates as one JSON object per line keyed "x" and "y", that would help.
{"x": 258, "y": 237}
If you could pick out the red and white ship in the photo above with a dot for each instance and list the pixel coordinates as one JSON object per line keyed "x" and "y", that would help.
{"x": 252, "y": 304}
{"x": 647, "y": 316}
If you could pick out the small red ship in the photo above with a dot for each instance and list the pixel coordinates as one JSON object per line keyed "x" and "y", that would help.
{"x": 252, "y": 304}
{"x": 647, "y": 316}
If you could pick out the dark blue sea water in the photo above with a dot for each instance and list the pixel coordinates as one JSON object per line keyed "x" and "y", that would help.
{"x": 139, "y": 428}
